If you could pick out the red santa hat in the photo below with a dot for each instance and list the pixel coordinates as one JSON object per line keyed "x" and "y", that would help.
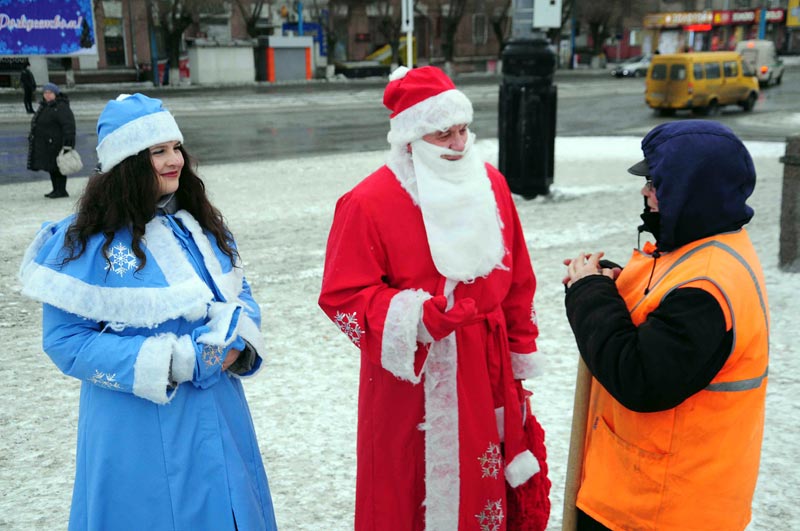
{"x": 423, "y": 100}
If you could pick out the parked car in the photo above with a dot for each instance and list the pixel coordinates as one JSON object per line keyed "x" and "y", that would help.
{"x": 633, "y": 67}
{"x": 763, "y": 59}
{"x": 702, "y": 82}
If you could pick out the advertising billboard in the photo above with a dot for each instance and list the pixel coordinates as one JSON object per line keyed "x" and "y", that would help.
{"x": 793, "y": 14}
{"x": 47, "y": 27}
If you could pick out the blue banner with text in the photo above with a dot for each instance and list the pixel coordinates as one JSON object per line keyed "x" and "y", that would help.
{"x": 47, "y": 27}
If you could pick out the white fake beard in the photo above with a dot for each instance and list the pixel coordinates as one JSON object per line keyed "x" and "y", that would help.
{"x": 459, "y": 211}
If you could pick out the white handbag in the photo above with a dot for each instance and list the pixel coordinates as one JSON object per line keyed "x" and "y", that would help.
{"x": 69, "y": 161}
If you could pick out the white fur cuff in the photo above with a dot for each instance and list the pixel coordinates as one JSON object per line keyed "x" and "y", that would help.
{"x": 400, "y": 333}
{"x": 183, "y": 359}
{"x": 151, "y": 369}
{"x": 521, "y": 468}
{"x": 250, "y": 333}
{"x": 526, "y": 365}
{"x": 224, "y": 324}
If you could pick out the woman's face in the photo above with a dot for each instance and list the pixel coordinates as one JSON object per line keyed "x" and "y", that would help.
{"x": 49, "y": 95}
{"x": 168, "y": 163}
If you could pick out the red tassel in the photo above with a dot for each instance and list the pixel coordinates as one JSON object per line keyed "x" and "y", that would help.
{"x": 529, "y": 503}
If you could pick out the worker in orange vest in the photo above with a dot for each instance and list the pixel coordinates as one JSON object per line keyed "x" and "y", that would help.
{"x": 677, "y": 344}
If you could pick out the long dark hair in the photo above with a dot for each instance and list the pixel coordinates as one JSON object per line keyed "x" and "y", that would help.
{"x": 126, "y": 197}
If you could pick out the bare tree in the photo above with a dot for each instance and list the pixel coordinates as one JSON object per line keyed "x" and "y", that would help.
{"x": 451, "y": 19}
{"x": 500, "y": 20}
{"x": 389, "y": 25}
{"x": 599, "y": 15}
{"x": 251, "y": 11}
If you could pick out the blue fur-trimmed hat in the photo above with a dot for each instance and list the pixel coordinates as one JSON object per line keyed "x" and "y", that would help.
{"x": 130, "y": 124}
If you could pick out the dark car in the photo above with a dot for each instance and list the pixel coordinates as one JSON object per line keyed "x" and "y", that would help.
{"x": 633, "y": 67}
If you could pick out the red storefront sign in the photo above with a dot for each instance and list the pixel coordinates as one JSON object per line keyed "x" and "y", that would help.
{"x": 748, "y": 17}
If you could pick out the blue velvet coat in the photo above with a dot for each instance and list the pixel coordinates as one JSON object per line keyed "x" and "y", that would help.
{"x": 165, "y": 437}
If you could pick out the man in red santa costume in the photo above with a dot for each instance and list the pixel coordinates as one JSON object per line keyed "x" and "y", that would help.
{"x": 428, "y": 273}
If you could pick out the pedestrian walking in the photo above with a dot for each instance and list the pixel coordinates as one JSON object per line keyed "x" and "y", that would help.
{"x": 428, "y": 273}
{"x": 145, "y": 301}
{"x": 677, "y": 344}
{"x": 28, "y": 83}
{"x": 52, "y": 128}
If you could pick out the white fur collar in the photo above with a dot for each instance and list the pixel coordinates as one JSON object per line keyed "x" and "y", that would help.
{"x": 77, "y": 289}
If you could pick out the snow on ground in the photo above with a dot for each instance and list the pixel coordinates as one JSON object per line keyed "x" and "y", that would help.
{"x": 304, "y": 401}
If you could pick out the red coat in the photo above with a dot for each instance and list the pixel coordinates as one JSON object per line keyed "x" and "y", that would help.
{"x": 431, "y": 418}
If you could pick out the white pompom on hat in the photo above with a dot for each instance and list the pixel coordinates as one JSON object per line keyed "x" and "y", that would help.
{"x": 423, "y": 100}
{"x": 132, "y": 123}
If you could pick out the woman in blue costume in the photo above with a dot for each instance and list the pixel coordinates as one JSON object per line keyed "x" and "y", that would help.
{"x": 146, "y": 303}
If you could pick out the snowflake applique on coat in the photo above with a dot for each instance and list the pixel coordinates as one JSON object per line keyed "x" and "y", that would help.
{"x": 212, "y": 355}
{"x": 491, "y": 517}
{"x": 103, "y": 379}
{"x": 491, "y": 461}
{"x": 348, "y": 324}
{"x": 121, "y": 259}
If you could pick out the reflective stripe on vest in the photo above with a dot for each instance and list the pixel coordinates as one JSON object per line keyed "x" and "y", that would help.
{"x": 740, "y": 385}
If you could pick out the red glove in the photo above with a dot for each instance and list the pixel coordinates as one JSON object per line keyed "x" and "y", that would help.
{"x": 440, "y": 323}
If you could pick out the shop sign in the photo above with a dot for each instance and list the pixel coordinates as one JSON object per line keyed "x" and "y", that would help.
{"x": 753, "y": 16}
{"x": 715, "y": 18}
{"x": 674, "y": 20}
{"x": 793, "y": 14}
{"x": 45, "y": 27}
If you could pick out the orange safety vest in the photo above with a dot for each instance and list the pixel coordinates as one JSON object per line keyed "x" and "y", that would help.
{"x": 693, "y": 467}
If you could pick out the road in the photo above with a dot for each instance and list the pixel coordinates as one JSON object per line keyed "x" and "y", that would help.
{"x": 255, "y": 123}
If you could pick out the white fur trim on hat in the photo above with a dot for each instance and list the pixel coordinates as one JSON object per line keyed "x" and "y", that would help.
{"x": 437, "y": 113}
{"x": 135, "y": 136}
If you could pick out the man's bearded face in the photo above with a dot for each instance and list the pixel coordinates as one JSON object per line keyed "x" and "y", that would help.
{"x": 454, "y": 138}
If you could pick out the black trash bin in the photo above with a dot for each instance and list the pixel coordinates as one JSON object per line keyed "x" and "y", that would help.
{"x": 527, "y": 117}
{"x": 260, "y": 58}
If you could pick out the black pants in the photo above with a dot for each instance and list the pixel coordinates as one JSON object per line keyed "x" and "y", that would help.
{"x": 587, "y": 523}
{"x": 28, "y": 100}
{"x": 59, "y": 181}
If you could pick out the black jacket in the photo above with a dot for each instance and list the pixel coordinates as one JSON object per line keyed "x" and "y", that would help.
{"x": 27, "y": 80}
{"x": 674, "y": 354}
{"x": 52, "y": 127}
{"x": 703, "y": 175}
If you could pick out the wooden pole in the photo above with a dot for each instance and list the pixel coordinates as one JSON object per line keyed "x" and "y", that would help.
{"x": 580, "y": 411}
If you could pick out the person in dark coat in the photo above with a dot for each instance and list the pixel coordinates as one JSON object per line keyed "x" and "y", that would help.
{"x": 677, "y": 343}
{"x": 28, "y": 83}
{"x": 52, "y": 128}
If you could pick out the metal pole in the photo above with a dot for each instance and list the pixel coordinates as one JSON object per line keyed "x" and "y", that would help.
{"x": 300, "y": 18}
{"x": 790, "y": 207}
{"x": 407, "y": 26}
{"x": 762, "y": 22}
{"x": 410, "y": 49}
{"x": 572, "y": 39}
{"x": 153, "y": 49}
{"x": 133, "y": 40}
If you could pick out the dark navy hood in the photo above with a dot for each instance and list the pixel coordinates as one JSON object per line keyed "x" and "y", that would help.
{"x": 703, "y": 176}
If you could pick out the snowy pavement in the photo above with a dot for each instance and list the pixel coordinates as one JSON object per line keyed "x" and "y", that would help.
{"x": 304, "y": 401}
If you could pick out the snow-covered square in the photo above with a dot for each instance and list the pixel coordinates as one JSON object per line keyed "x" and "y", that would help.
{"x": 304, "y": 401}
